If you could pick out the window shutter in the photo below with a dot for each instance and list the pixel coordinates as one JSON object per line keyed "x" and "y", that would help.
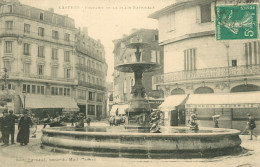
{"x": 198, "y": 14}
{"x": 212, "y": 12}
{"x": 153, "y": 56}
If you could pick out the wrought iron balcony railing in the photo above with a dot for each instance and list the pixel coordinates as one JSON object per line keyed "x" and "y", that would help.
{"x": 92, "y": 71}
{"x": 208, "y": 73}
{"x": 90, "y": 85}
{"x": 90, "y": 53}
{"x": 47, "y": 78}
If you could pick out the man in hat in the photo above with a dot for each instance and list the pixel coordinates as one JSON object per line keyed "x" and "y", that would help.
{"x": 251, "y": 126}
{"x": 12, "y": 119}
{"x": 24, "y": 125}
{"x": 5, "y": 128}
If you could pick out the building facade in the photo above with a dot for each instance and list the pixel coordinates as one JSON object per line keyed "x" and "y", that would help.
{"x": 91, "y": 72}
{"x": 123, "y": 82}
{"x": 40, "y": 51}
{"x": 196, "y": 63}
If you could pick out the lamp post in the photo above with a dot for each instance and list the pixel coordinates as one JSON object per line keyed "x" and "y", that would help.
{"x": 24, "y": 96}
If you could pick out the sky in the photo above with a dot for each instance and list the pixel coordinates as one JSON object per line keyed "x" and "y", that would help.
{"x": 106, "y": 20}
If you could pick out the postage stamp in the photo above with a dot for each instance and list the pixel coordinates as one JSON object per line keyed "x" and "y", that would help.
{"x": 237, "y": 22}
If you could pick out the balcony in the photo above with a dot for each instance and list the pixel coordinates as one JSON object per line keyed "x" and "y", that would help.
{"x": 90, "y": 53}
{"x": 92, "y": 71}
{"x": 48, "y": 78}
{"x": 19, "y": 33}
{"x": 89, "y": 85}
{"x": 208, "y": 73}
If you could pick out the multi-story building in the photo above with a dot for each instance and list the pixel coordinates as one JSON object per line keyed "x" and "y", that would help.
{"x": 197, "y": 63}
{"x": 123, "y": 82}
{"x": 91, "y": 69}
{"x": 40, "y": 51}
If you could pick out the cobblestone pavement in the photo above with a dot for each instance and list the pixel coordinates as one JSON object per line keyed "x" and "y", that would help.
{"x": 33, "y": 155}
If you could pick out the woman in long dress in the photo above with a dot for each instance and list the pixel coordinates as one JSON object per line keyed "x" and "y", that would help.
{"x": 24, "y": 129}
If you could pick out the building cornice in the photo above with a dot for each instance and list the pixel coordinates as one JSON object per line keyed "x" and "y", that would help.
{"x": 41, "y": 81}
{"x": 178, "y": 6}
{"x": 188, "y": 36}
{"x": 36, "y": 20}
{"x": 36, "y": 39}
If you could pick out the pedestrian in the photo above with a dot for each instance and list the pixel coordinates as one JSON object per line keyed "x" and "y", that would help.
{"x": 215, "y": 120}
{"x": 24, "y": 129}
{"x": 34, "y": 125}
{"x": 73, "y": 118}
{"x": 251, "y": 126}
{"x": 12, "y": 119}
{"x": 46, "y": 121}
{"x": 1, "y": 117}
{"x": 88, "y": 120}
{"x": 5, "y": 128}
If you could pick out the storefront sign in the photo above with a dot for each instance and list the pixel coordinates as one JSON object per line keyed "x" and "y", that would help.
{"x": 223, "y": 106}
{"x": 236, "y": 22}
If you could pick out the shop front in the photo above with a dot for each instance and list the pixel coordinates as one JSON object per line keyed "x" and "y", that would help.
{"x": 42, "y": 106}
{"x": 231, "y": 107}
{"x": 174, "y": 110}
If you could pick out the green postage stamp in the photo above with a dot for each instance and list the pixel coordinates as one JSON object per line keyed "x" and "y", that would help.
{"x": 236, "y": 22}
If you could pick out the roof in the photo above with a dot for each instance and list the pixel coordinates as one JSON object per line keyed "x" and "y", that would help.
{"x": 171, "y": 102}
{"x": 180, "y": 4}
{"x": 41, "y": 101}
{"x": 225, "y": 100}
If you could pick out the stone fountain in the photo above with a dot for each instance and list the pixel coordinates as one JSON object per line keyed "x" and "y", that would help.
{"x": 135, "y": 140}
{"x": 138, "y": 115}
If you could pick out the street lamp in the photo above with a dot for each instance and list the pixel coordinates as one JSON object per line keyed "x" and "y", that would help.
{"x": 24, "y": 96}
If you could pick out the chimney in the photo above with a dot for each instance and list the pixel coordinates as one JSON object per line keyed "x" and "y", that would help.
{"x": 51, "y": 10}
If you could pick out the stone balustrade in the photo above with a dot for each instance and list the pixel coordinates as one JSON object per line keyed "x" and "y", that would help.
{"x": 208, "y": 73}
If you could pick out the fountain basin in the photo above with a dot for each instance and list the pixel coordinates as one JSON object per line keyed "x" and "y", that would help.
{"x": 118, "y": 141}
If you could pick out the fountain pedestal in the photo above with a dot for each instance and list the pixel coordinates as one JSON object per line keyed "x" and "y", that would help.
{"x": 138, "y": 115}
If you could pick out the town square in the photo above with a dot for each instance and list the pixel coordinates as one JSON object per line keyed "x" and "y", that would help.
{"x": 120, "y": 83}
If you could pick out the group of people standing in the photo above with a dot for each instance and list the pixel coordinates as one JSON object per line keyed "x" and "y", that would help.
{"x": 7, "y": 124}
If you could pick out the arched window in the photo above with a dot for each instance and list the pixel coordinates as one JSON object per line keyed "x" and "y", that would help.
{"x": 203, "y": 90}
{"x": 245, "y": 88}
{"x": 177, "y": 91}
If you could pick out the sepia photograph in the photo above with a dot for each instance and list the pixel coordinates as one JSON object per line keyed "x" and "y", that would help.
{"x": 129, "y": 83}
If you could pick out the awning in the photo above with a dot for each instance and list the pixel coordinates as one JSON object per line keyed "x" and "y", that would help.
{"x": 227, "y": 100}
{"x": 120, "y": 107}
{"x": 171, "y": 102}
{"x": 41, "y": 101}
